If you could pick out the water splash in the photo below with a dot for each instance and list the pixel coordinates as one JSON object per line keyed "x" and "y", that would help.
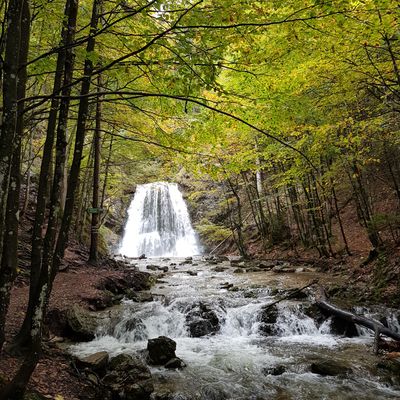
{"x": 159, "y": 223}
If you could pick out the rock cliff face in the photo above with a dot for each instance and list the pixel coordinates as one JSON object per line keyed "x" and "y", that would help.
{"x": 114, "y": 223}
{"x": 207, "y": 208}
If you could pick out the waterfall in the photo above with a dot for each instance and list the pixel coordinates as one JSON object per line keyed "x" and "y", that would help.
{"x": 159, "y": 223}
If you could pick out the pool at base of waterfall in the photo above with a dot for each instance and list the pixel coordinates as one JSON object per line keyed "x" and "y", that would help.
{"x": 245, "y": 350}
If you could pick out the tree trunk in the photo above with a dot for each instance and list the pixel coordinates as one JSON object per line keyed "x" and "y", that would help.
{"x": 23, "y": 339}
{"x": 322, "y": 303}
{"x": 107, "y": 168}
{"x": 79, "y": 142}
{"x": 28, "y": 178}
{"x": 10, "y": 97}
{"x": 67, "y": 35}
{"x": 346, "y": 245}
{"x": 82, "y": 196}
{"x": 48, "y": 272}
{"x": 94, "y": 230}
{"x": 9, "y": 258}
{"x": 237, "y": 223}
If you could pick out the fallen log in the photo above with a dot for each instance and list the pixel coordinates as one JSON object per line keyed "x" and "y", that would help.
{"x": 376, "y": 326}
{"x": 291, "y": 294}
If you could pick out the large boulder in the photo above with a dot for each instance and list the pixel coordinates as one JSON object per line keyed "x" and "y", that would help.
{"x": 131, "y": 280}
{"x": 314, "y": 312}
{"x": 82, "y": 324}
{"x": 128, "y": 378}
{"x": 139, "y": 297}
{"x": 201, "y": 320}
{"x": 279, "y": 269}
{"x": 268, "y": 317}
{"x": 265, "y": 264}
{"x": 342, "y": 327}
{"x": 161, "y": 350}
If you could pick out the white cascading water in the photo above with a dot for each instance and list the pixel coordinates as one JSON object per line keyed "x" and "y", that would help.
{"x": 238, "y": 361}
{"x": 159, "y": 223}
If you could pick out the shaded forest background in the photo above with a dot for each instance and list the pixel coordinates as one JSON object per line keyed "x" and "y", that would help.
{"x": 279, "y": 119}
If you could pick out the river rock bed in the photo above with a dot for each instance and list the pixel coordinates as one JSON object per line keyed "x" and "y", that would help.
{"x": 236, "y": 347}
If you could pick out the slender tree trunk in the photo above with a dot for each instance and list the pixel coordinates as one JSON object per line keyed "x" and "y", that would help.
{"x": 321, "y": 216}
{"x": 73, "y": 178}
{"x": 346, "y": 245}
{"x": 297, "y": 215}
{"x": 48, "y": 272}
{"x": 60, "y": 165}
{"x": 392, "y": 173}
{"x": 251, "y": 202}
{"x": 9, "y": 259}
{"x": 24, "y": 339}
{"x": 237, "y": 223}
{"x": 80, "y": 214}
{"x": 365, "y": 206}
{"x": 38, "y": 226}
{"x": 94, "y": 229}
{"x": 10, "y": 97}
{"x": 107, "y": 168}
{"x": 28, "y": 179}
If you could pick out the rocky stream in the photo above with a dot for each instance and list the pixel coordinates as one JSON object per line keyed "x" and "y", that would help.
{"x": 205, "y": 332}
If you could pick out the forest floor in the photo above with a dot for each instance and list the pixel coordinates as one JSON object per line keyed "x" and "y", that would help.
{"x": 76, "y": 285}
{"x": 366, "y": 279}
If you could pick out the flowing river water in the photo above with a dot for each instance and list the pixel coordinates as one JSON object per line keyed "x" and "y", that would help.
{"x": 233, "y": 348}
{"x": 240, "y": 360}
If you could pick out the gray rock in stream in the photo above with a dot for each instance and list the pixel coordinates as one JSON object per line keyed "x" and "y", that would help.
{"x": 175, "y": 363}
{"x": 330, "y": 368}
{"x": 268, "y": 317}
{"x": 265, "y": 264}
{"x": 140, "y": 297}
{"x": 128, "y": 378}
{"x": 133, "y": 328}
{"x": 161, "y": 350}
{"x": 275, "y": 371}
{"x": 279, "y": 269}
{"x": 82, "y": 324}
{"x": 389, "y": 369}
{"x": 202, "y": 320}
{"x": 345, "y": 328}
